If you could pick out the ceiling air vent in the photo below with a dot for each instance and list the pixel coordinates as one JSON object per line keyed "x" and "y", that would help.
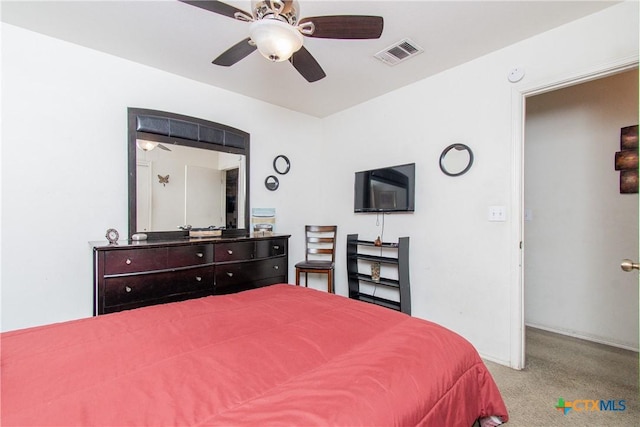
{"x": 398, "y": 52}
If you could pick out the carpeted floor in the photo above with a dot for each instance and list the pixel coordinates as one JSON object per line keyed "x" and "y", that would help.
{"x": 558, "y": 366}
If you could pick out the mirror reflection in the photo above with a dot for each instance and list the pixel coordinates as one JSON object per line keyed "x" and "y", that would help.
{"x": 180, "y": 185}
{"x": 456, "y": 159}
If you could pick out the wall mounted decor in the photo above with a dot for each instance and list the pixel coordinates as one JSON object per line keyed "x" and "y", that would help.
{"x": 456, "y": 162}
{"x": 281, "y": 164}
{"x": 626, "y": 160}
{"x": 164, "y": 180}
{"x": 272, "y": 183}
{"x": 207, "y": 148}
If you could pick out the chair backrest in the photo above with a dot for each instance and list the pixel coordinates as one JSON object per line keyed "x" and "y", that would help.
{"x": 321, "y": 242}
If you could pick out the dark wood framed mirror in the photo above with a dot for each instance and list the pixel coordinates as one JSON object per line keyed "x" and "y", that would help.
{"x": 185, "y": 171}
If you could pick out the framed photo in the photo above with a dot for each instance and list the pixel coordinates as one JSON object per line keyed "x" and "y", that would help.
{"x": 629, "y": 137}
{"x": 629, "y": 181}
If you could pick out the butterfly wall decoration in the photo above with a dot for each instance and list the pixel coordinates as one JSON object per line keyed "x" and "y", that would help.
{"x": 164, "y": 180}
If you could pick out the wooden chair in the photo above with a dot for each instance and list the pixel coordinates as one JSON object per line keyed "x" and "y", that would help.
{"x": 320, "y": 254}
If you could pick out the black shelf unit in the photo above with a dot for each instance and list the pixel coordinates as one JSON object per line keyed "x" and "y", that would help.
{"x": 401, "y": 262}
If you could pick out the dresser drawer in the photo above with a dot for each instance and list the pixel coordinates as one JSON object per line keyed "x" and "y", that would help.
{"x": 181, "y": 256}
{"x": 134, "y": 260}
{"x": 236, "y": 251}
{"x": 248, "y": 272}
{"x": 270, "y": 248}
{"x": 148, "y": 287}
{"x": 275, "y": 267}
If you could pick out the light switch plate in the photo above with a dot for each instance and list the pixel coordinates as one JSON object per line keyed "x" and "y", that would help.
{"x": 497, "y": 213}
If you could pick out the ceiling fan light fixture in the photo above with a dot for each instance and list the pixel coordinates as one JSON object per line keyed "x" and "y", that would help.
{"x": 276, "y": 40}
{"x": 146, "y": 145}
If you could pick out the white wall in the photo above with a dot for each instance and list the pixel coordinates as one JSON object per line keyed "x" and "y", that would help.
{"x": 581, "y": 226}
{"x": 460, "y": 263}
{"x": 64, "y": 162}
{"x": 461, "y": 270}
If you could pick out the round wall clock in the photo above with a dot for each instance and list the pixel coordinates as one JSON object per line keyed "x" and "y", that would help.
{"x": 112, "y": 235}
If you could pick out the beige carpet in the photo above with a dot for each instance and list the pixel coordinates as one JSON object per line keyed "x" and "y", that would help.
{"x": 563, "y": 367}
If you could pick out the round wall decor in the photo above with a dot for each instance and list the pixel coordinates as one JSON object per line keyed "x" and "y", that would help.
{"x": 281, "y": 164}
{"x": 456, "y": 162}
{"x": 272, "y": 183}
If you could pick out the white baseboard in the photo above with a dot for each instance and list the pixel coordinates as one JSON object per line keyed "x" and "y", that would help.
{"x": 497, "y": 361}
{"x": 573, "y": 334}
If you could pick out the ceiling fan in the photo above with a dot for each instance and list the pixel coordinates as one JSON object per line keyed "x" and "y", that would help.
{"x": 277, "y": 33}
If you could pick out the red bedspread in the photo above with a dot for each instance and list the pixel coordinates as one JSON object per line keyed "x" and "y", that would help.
{"x": 279, "y": 355}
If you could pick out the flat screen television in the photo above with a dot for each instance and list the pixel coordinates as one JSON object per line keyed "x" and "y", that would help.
{"x": 390, "y": 189}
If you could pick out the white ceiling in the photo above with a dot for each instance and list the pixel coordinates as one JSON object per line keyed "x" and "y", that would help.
{"x": 184, "y": 39}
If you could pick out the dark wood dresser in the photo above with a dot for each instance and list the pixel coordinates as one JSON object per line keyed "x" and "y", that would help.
{"x": 135, "y": 274}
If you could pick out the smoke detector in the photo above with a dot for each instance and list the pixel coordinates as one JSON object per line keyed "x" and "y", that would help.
{"x": 398, "y": 52}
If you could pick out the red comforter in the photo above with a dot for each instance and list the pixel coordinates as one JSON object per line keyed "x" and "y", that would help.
{"x": 280, "y": 355}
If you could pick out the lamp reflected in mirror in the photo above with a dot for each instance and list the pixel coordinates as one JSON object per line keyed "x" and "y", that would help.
{"x": 145, "y": 145}
{"x": 456, "y": 159}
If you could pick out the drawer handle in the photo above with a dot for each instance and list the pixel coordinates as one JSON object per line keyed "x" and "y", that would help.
{"x": 127, "y": 288}
{"x": 128, "y": 261}
{"x": 198, "y": 279}
{"x": 230, "y": 274}
{"x": 229, "y": 251}
{"x": 276, "y": 247}
{"x": 199, "y": 254}
{"x": 276, "y": 267}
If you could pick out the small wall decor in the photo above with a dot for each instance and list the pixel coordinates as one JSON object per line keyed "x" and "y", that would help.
{"x": 458, "y": 162}
{"x": 626, "y": 160}
{"x": 164, "y": 180}
{"x": 281, "y": 164}
{"x": 272, "y": 183}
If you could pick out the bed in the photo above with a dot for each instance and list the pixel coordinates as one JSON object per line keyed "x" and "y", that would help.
{"x": 278, "y": 355}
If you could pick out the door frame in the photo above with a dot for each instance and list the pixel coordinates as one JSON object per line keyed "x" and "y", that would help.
{"x": 518, "y": 117}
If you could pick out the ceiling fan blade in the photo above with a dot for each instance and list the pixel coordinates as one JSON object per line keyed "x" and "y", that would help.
{"x": 217, "y": 7}
{"x": 346, "y": 27}
{"x": 235, "y": 53}
{"x": 163, "y": 147}
{"x": 307, "y": 65}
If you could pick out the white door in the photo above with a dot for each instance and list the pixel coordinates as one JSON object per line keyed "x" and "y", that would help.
{"x": 143, "y": 195}
{"x": 203, "y": 197}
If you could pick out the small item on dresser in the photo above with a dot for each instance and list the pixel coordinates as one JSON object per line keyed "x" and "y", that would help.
{"x": 209, "y": 232}
{"x": 112, "y": 236}
{"x": 377, "y": 242}
{"x": 139, "y": 236}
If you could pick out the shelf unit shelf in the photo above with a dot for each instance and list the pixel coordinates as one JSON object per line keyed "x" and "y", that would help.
{"x": 357, "y": 278}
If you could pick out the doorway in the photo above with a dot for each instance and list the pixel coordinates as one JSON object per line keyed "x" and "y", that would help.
{"x": 519, "y": 96}
{"x": 231, "y": 198}
{"x": 577, "y": 224}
